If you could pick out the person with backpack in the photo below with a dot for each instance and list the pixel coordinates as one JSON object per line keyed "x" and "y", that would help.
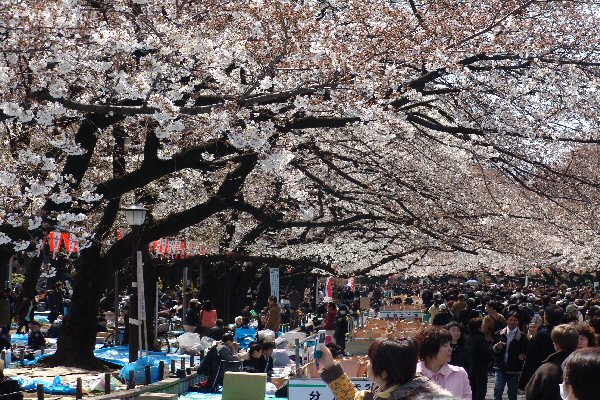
{"x": 492, "y": 322}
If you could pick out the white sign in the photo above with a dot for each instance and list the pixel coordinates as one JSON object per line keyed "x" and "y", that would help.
{"x": 408, "y": 315}
{"x": 316, "y": 389}
{"x": 275, "y": 282}
{"x": 140, "y": 287}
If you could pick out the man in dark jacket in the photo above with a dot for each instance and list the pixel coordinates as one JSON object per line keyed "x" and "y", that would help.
{"x": 35, "y": 338}
{"x": 341, "y": 326}
{"x": 468, "y": 313}
{"x": 54, "y": 301}
{"x": 544, "y": 384}
{"x": 9, "y": 388}
{"x": 509, "y": 347}
{"x": 541, "y": 345}
{"x": 443, "y": 317}
{"x": 211, "y": 364}
{"x": 267, "y": 357}
{"x": 217, "y": 331}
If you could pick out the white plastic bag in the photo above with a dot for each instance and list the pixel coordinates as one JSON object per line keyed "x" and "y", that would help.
{"x": 205, "y": 344}
{"x": 281, "y": 343}
{"x": 187, "y": 341}
{"x": 281, "y": 358}
{"x": 266, "y": 335}
{"x": 270, "y": 389}
{"x": 291, "y": 336}
{"x": 97, "y": 384}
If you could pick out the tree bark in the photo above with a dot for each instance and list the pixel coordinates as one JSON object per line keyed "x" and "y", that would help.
{"x": 78, "y": 334}
{"x": 5, "y": 255}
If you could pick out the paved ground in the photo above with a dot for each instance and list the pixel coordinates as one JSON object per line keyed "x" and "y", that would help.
{"x": 490, "y": 390}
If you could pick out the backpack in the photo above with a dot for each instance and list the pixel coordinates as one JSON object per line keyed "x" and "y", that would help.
{"x": 499, "y": 324}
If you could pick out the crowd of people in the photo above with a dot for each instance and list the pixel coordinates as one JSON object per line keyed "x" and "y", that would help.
{"x": 540, "y": 340}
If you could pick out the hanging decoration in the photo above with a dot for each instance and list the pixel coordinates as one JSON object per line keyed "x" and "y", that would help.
{"x": 57, "y": 240}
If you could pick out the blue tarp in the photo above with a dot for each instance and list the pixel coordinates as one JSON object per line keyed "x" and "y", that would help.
{"x": 153, "y": 360}
{"x": 54, "y": 387}
{"x": 35, "y": 360}
{"x": 18, "y": 339}
{"x": 245, "y": 336}
{"x": 120, "y": 355}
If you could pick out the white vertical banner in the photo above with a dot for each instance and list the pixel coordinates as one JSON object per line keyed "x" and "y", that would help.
{"x": 140, "y": 287}
{"x": 274, "y": 282}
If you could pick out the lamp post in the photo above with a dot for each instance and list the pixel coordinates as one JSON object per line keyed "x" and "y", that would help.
{"x": 135, "y": 215}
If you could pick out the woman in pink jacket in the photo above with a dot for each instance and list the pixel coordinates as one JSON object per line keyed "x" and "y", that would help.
{"x": 435, "y": 353}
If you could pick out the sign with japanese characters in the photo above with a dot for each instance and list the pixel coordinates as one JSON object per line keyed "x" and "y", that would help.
{"x": 140, "y": 287}
{"x": 316, "y": 389}
{"x": 274, "y": 275}
{"x": 407, "y": 315}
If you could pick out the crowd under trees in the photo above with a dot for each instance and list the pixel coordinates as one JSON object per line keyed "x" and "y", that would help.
{"x": 342, "y": 137}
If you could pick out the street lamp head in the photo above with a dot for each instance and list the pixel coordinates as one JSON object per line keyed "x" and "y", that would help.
{"x": 135, "y": 214}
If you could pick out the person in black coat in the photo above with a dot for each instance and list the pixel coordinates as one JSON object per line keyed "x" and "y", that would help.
{"x": 340, "y": 324}
{"x": 544, "y": 384}
{"x": 481, "y": 357}
{"x": 541, "y": 345}
{"x": 267, "y": 355}
{"x": 54, "y": 301}
{"x": 9, "y": 388}
{"x": 461, "y": 356}
{"x": 4, "y": 339}
{"x": 468, "y": 313}
{"x": 217, "y": 331}
{"x": 191, "y": 320}
{"x": 210, "y": 365}
{"x": 443, "y": 317}
{"x": 35, "y": 338}
{"x": 509, "y": 347}
{"x": 255, "y": 361}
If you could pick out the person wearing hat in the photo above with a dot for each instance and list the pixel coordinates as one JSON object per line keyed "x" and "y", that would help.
{"x": 191, "y": 316}
{"x": 572, "y": 314}
{"x": 443, "y": 317}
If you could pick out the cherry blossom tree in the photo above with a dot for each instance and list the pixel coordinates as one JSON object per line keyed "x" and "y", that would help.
{"x": 349, "y": 136}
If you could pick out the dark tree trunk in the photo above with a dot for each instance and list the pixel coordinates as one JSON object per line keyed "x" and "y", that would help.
{"x": 78, "y": 334}
{"x": 5, "y": 255}
{"x": 32, "y": 275}
{"x": 227, "y": 287}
